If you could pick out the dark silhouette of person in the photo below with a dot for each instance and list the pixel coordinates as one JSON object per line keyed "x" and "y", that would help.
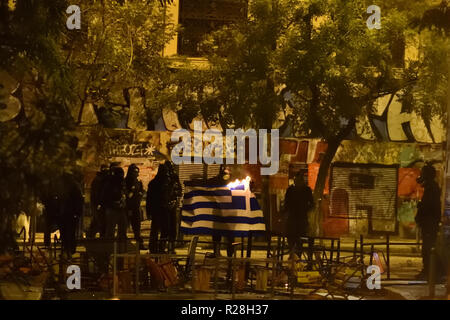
{"x": 71, "y": 212}
{"x": 298, "y": 201}
{"x": 63, "y": 207}
{"x": 163, "y": 196}
{"x": 428, "y": 215}
{"x": 222, "y": 179}
{"x": 98, "y": 223}
{"x": 113, "y": 200}
{"x": 51, "y": 199}
{"x": 134, "y": 191}
{"x": 156, "y": 206}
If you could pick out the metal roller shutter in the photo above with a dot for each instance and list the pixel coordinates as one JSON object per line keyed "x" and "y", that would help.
{"x": 365, "y": 191}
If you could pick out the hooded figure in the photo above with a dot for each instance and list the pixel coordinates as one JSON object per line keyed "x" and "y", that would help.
{"x": 298, "y": 201}
{"x": 428, "y": 214}
{"x": 71, "y": 212}
{"x": 113, "y": 200}
{"x": 222, "y": 179}
{"x": 134, "y": 192}
{"x": 63, "y": 207}
{"x": 163, "y": 196}
{"x": 98, "y": 223}
{"x": 156, "y": 205}
{"x": 51, "y": 199}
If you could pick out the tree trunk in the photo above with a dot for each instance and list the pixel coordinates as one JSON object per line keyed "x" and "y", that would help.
{"x": 317, "y": 219}
{"x": 333, "y": 145}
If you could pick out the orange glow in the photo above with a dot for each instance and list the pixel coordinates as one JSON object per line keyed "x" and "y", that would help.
{"x": 237, "y": 182}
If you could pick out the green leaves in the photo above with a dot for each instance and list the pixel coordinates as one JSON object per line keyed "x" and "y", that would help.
{"x": 119, "y": 46}
{"x": 241, "y": 77}
{"x": 322, "y": 52}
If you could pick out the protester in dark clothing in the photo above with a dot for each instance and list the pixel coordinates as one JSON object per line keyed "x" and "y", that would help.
{"x": 222, "y": 179}
{"x": 162, "y": 201}
{"x": 428, "y": 215}
{"x": 174, "y": 195}
{"x": 113, "y": 200}
{"x": 51, "y": 199}
{"x": 135, "y": 191}
{"x": 98, "y": 223}
{"x": 298, "y": 201}
{"x": 72, "y": 210}
{"x": 63, "y": 202}
{"x": 157, "y": 195}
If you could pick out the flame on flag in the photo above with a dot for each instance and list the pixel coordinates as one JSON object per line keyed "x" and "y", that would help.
{"x": 236, "y": 183}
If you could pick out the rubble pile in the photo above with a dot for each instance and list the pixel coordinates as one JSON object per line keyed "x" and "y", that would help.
{"x": 20, "y": 278}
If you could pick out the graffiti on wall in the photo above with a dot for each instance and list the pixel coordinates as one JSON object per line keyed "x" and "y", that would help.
{"x": 389, "y": 122}
{"x": 9, "y": 103}
{"x": 392, "y": 123}
{"x": 141, "y": 150}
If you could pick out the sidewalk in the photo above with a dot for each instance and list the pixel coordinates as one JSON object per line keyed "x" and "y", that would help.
{"x": 405, "y": 264}
{"x": 405, "y": 261}
{"x": 418, "y": 291}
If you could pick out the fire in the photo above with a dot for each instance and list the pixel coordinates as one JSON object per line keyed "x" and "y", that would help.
{"x": 237, "y": 182}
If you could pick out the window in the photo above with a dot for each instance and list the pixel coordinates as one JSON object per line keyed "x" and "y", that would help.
{"x": 200, "y": 17}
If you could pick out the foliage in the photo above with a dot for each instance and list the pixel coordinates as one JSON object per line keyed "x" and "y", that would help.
{"x": 117, "y": 49}
{"x": 332, "y": 66}
{"x": 35, "y": 144}
{"x": 238, "y": 88}
{"x": 58, "y": 72}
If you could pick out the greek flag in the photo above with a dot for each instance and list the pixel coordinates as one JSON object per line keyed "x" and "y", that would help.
{"x": 221, "y": 210}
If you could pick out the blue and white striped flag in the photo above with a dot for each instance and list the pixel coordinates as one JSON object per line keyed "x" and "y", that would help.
{"x": 221, "y": 210}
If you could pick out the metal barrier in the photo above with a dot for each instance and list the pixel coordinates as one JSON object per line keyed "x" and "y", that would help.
{"x": 216, "y": 262}
{"x": 334, "y": 249}
{"x": 387, "y": 244}
{"x": 331, "y": 246}
{"x": 276, "y": 266}
{"x": 24, "y": 231}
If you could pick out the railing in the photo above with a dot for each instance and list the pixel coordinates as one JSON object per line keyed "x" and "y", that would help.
{"x": 24, "y": 231}
{"x": 331, "y": 246}
{"x": 386, "y": 257}
{"x": 274, "y": 264}
{"x": 359, "y": 249}
{"x": 216, "y": 262}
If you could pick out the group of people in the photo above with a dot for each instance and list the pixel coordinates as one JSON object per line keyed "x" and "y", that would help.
{"x": 116, "y": 202}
